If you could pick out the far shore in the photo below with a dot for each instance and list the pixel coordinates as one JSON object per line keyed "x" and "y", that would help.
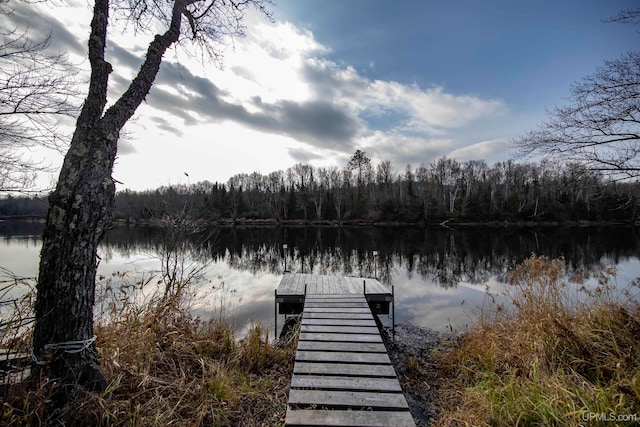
{"x": 274, "y": 222}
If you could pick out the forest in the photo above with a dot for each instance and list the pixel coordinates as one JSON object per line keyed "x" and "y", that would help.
{"x": 443, "y": 191}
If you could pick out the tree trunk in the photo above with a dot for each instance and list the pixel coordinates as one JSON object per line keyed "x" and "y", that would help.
{"x": 80, "y": 209}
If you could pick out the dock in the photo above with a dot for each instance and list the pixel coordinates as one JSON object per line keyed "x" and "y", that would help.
{"x": 342, "y": 374}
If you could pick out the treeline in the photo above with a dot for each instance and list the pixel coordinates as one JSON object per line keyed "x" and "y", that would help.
{"x": 361, "y": 193}
{"x": 446, "y": 189}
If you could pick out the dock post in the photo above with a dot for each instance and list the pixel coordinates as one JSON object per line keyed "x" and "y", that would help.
{"x": 275, "y": 312}
{"x": 305, "y": 289}
{"x": 393, "y": 311}
{"x": 364, "y": 287}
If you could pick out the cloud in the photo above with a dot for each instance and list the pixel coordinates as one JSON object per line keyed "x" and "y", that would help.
{"x": 243, "y": 72}
{"x": 40, "y": 23}
{"x": 125, "y": 147}
{"x": 198, "y": 100}
{"x": 124, "y": 56}
{"x": 303, "y": 155}
{"x": 281, "y": 84}
{"x": 165, "y": 125}
{"x": 403, "y": 149}
{"x": 491, "y": 151}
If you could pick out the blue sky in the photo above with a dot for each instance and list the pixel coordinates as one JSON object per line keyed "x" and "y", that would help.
{"x": 406, "y": 81}
{"x": 525, "y": 52}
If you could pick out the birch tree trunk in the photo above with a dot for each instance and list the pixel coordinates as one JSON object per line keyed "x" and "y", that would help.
{"x": 80, "y": 210}
{"x": 81, "y": 206}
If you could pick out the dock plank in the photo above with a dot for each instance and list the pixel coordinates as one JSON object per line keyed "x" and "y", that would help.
{"x": 347, "y": 399}
{"x": 338, "y": 322}
{"x": 345, "y": 383}
{"x": 360, "y": 304}
{"x": 337, "y": 310}
{"x": 319, "y": 336}
{"x": 341, "y": 298}
{"x": 340, "y": 329}
{"x": 354, "y": 347}
{"x": 348, "y": 418}
{"x": 330, "y": 315}
{"x": 344, "y": 369}
{"x": 342, "y": 357}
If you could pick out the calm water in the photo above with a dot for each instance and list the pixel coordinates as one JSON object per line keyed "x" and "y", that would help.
{"x": 439, "y": 275}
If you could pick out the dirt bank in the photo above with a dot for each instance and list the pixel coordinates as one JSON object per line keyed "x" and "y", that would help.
{"x": 410, "y": 349}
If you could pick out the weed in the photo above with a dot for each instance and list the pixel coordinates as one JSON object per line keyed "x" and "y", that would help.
{"x": 563, "y": 354}
{"x": 171, "y": 369}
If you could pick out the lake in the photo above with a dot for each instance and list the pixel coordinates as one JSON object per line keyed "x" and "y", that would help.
{"x": 440, "y": 276}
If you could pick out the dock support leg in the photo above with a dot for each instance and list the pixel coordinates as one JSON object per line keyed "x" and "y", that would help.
{"x": 393, "y": 311}
{"x": 275, "y": 312}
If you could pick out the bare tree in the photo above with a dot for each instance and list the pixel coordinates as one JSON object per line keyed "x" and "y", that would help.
{"x": 601, "y": 125}
{"x": 36, "y": 91}
{"x": 81, "y": 205}
{"x": 627, "y": 16}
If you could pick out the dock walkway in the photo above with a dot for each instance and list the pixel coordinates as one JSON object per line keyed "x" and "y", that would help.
{"x": 342, "y": 374}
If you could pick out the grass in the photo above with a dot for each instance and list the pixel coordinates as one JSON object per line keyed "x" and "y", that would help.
{"x": 564, "y": 355}
{"x": 168, "y": 368}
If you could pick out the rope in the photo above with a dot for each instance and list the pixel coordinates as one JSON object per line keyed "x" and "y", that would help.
{"x": 34, "y": 359}
{"x": 70, "y": 347}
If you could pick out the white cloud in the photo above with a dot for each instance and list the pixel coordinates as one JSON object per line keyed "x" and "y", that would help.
{"x": 491, "y": 151}
{"x": 277, "y": 87}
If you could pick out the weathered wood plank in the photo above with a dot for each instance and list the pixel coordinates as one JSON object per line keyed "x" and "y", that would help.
{"x": 344, "y": 369}
{"x": 354, "y": 347}
{"x": 347, "y": 399}
{"x": 332, "y": 315}
{"x": 340, "y": 329}
{"x": 310, "y": 417}
{"x": 342, "y": 299}
{"x": 337, "y": 310}
{"x": 336, "y": 295}
{"x": 336, "y": 305}
{"x": 293, "y": 284}
{"x": 319, "y": 336}
{"x": 342, "y": 357}
{"x": 322, "y": 382}
{"x": 339, "y": 322}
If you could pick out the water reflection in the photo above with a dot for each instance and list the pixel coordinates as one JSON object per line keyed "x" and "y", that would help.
{"x": 439, "y": 275}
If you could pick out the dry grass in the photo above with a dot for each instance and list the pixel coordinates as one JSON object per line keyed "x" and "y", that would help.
{"x": 564, "y": 356}
{"x": 173, "y": 369}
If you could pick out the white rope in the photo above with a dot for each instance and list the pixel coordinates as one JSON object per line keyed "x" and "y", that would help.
{"x": 34, "y": 359}
{"x": 71, "y": 347}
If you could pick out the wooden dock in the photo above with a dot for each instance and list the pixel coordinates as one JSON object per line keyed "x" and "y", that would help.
{"x": 342, "y": 374}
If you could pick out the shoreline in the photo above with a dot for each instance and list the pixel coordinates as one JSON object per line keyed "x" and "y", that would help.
{"x": 410, "y": 353}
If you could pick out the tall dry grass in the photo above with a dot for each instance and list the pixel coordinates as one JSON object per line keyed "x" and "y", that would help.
{"x": 167, "y": 367}
{"x": 561, "y": 355}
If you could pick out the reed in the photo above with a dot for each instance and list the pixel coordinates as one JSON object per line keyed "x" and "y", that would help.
{"x": 167, "y": 367}
{"x": 560, "y": 354}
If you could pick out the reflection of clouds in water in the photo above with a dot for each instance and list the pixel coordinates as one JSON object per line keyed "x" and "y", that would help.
{"x": 429, "y": 305}
{"x": 433, "y": 271}
{"x": 20, "y": 257}
{"x": 242, "y": 300}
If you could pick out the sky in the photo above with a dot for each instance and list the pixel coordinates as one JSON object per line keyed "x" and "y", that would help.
{"x": 408, "y": 81}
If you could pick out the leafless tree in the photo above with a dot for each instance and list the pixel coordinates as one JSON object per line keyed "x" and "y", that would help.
{"x": 36, "y": 91}
{"x": 627, "y": 16}
{"x": 81, "y": 207}
{"x": 600, "y": 127}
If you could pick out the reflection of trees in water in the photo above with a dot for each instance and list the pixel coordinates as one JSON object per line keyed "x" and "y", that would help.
{"x": 445, "y": 257}
{"x": 442, "y": 256}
